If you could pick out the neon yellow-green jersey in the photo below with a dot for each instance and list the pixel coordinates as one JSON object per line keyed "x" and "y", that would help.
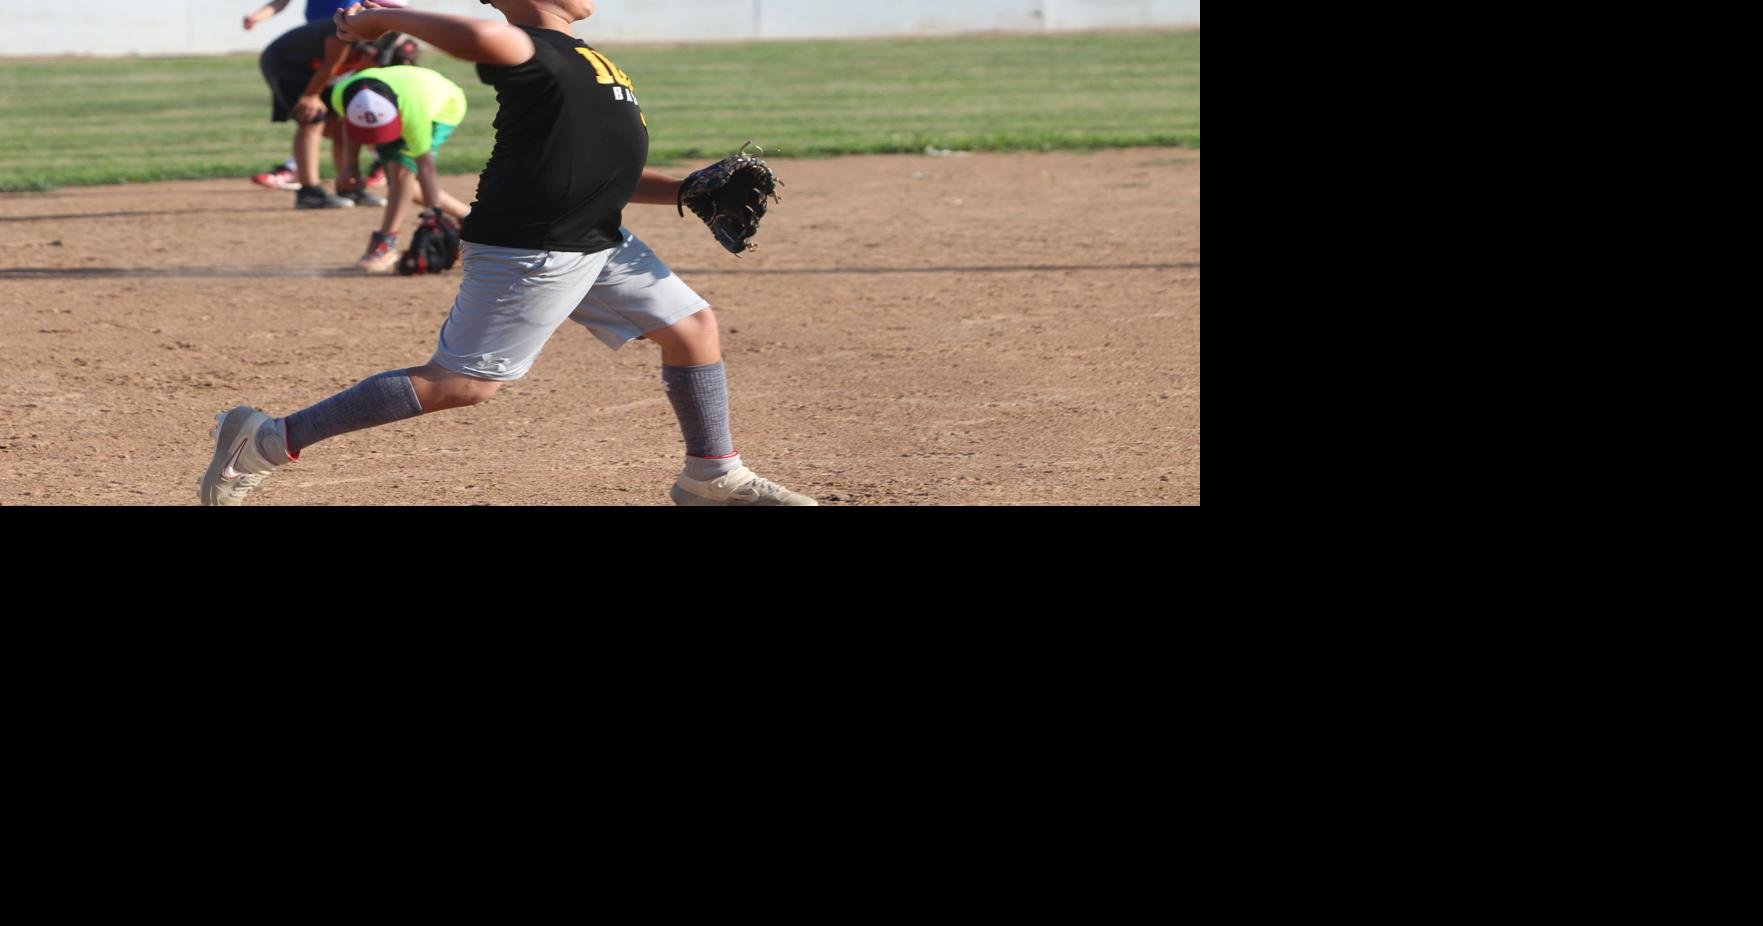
{"x": 425, "y": 98}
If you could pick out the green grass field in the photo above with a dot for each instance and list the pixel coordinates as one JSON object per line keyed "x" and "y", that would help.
{"x": 109, "y": 120}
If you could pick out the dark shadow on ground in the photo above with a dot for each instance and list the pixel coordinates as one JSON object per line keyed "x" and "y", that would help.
{"x": 160, "y": 273}
{"x": 284, "y": 207}
{"x": 864, "y": 271}
{"x": 75, "y": 273}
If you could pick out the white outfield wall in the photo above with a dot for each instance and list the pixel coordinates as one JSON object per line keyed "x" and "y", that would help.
{"x": 200, "y": 27}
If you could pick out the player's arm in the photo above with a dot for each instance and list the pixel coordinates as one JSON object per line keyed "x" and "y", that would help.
{"x": 264, "y": 12}
{"x": 655, "y": 188}
{"x": 484, "y": 41}
{"x": 310, "y": 107}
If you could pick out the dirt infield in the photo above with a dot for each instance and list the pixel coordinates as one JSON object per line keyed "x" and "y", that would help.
{"x": 968, "y": 330}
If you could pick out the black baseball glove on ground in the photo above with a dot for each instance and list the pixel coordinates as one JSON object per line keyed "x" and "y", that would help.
{"x": 433, "y": 248}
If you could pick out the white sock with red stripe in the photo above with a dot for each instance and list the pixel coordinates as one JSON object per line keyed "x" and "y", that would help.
{"x": 705, "y": 469}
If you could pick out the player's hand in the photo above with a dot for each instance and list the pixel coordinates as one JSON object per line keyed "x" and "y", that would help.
{"x": 352, "y": 26}
{"x": 308, "y": 109}
{"x": 259, "y": 15}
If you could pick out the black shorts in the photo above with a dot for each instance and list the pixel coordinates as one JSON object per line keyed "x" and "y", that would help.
{"x": 287, "y": 64}
{"x": 286, "y": 83}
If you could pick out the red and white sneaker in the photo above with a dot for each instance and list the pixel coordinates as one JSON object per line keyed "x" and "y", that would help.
{"x": 377, "y": 176}
{"x": 278, "y": 178}
{"x": 382, "y": 254}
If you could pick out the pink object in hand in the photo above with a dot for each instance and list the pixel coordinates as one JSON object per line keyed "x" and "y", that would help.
{"x": 391, "y": 4}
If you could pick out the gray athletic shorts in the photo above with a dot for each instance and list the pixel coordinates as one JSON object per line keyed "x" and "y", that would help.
{"x": 513, "y": 299}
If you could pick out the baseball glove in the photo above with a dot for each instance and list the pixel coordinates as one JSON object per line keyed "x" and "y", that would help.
{"x": 433, "y": 248}
{"x": 390, "y": 49}
{"x": 730, "y": 196}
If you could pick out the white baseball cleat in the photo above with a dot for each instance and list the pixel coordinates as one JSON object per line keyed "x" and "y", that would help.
{"x": 741, "y": 487}
{"x": 239, "y": 463}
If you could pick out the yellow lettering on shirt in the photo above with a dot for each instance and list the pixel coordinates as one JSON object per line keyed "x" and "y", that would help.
{"x": 605, "y": 71}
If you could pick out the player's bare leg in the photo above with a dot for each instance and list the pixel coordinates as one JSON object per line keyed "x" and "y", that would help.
{"x": 691, "y": 341}
{"x": 697, "y": 385}
{"x": 311, "y": 195}
{"x": 438, "y": 388}
{"x": 382, "y": 246}
{"x": 346, "y": 160}
{"x": 398, "y": 192}
{"x": 306, "y": 137}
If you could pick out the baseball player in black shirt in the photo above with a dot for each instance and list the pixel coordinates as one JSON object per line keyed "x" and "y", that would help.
{"x": 544, "y": 244}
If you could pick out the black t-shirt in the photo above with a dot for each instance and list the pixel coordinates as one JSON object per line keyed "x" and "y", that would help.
{"x": 570, "y": 146}
{"x": 300, "y": 48}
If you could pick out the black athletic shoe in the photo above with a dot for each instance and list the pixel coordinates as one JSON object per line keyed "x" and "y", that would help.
{"x": 315, "y": 197}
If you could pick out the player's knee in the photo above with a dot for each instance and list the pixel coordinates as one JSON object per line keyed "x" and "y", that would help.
{"x": 690, "y": 341}
{"x": 696, "y": 329}
{"x": 467, "y": 391}
{"x": 438, "y": 389}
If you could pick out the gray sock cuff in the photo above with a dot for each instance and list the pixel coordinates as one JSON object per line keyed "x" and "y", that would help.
{"x": 394, "y": 378}
{"x": 694, "y": 376}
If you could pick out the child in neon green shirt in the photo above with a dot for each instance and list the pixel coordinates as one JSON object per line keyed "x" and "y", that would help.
{"x": 407, "y": 112}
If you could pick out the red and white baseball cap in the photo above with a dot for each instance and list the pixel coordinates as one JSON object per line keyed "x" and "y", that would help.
{"x": 370, "y": 112}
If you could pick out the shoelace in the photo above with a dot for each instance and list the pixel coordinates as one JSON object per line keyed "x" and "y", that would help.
{"x": 759, "y": 487}
{"x": 243, "y": 485}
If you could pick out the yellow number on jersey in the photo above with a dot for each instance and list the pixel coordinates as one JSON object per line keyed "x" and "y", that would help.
{"x": 605, "y": 71}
